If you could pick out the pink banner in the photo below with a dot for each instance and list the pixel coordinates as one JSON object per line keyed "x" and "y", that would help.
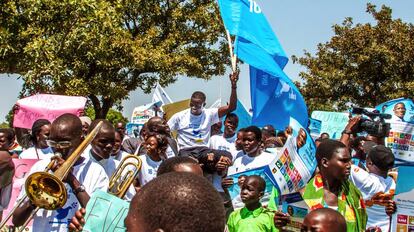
{"x": 22, "y": 167}
{"x": 45, "y": 106}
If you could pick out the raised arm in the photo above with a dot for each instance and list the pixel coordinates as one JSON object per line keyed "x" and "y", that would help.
{"x": 222, "y": 111}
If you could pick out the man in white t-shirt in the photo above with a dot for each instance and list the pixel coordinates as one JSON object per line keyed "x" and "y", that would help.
{"x": 84, "y": 178}
{"x": 193, "y": 125}
{"x": 226, "y": 141}
{"x": 376, "y": 186}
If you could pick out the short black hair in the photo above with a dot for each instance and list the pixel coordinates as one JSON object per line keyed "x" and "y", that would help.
{"x": 179, "y": 201}
{"x": 257, "y": 132}
{"x": 36, "y": 128}
{"x": 170, "y": 164}
{"x": 357, "y": 141}
{"x": 232, "y": 116}
{"x": 162, "y": 141}
{"x": 260, "y": 180}
{"x": 106, "y": 125}
{"x": 327, "y": 148}
{"x": 199, "y": 95}
{"x": 270, "y": 130}
{"x": 8, "y": 133}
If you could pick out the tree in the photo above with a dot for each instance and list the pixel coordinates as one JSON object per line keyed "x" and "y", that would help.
{"x": 113, "y": 116}
{"x": 363, "y": 64}
{"x": 104, "y": 49}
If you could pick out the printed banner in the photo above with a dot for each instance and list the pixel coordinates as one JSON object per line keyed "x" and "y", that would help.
{"x": 401, "y": 141}
{"x": 133, "y": 129}
{"x": 22, "y": 167}
{"x": 297, "y": 209}
{"x": 403, "y": 219}
{"x": 388, "y": 108}
{"x": 315, "y": 127}
{"x": 333, "y": 123}
{"x": 142, "y": 114}
{"x": 45, "y": 106}
{"x": 105, "y": 212}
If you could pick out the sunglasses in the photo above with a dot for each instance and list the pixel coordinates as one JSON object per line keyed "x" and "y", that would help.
{"x": 59, "y": 145}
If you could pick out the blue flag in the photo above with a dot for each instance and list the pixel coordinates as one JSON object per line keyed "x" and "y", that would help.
{"x": 274, "y": 96}
{"x": 388, "y": 107}
{"x": 275, "y": 101}
{"x": 245, "y": 119}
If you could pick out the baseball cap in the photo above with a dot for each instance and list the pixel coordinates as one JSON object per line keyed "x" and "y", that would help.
{"x": 382, "y": 157}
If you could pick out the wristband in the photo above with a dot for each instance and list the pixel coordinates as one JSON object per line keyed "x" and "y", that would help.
{"x": 348, "y": 132}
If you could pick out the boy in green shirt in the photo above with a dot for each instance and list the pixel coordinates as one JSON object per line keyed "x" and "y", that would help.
{"x": 252, "y": 217}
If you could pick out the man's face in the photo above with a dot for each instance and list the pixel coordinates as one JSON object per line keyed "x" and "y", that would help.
{"x": 314, "y": 224}
{"x": 249, "y": 191}
{"x": 230, "y": 126}
{"x": 43, "y": 136}
{"x": 197, "y": 105}
{"x": 250, "y": 143}
{"x": 399, "y": 110}
{"x": 120, "y": 127}
{"x": 301, "y": 139}
{"x": 4, "y": 142}
{"x": 239, "y": 141}
{"x": 339, "y": 166}
{"x": 103, "y": 143}
{"x": 63, "y": 140}
{"x": 117, "y": 144}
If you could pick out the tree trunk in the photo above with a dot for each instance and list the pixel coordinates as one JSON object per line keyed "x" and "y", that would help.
{"x": 101, "y": 110}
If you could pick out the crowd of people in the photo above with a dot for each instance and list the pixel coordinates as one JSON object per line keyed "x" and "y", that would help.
{"x": 183, "y": 184}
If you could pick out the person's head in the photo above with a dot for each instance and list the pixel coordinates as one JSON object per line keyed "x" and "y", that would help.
{"x": 157, "y": 125}
{"x": 7, "y": 136}
{"x": 273, "y": 142}
{"x": 65, "y": 134}
{"x": 156, "y": 145}
{"x": 324, "y": 135}
{"x": 358, "y": 144}
{"x": 40, "y": 133}
{"x": 252, "y": 189}
{"x": 197, "y": 102}
{"x": 290, "y": 210}
{"x": 380, "y": 160}
{"x": 374, "y": 139}
{"x": 230, "y": 125}
{"x": 252, "y": 138}
{"x": 144, "y": 131}
{"x": 183, "y": 202}
{"x": 6, "y": 169}
{"x": 267, "y": 132}
{"x": 240, "y": 180}
{"x": 117, "y": 143}
{"x": 120, "y": 126}
{"x": 333, "y": 159}
{"x": 324, "y": 220}
{"x": 301, "y": 139}
{"x": 239, "y": 140}
{"x": 399, "y": 110}
{"x": 180, "y": 164}
{"x": 86, "y": 122}
{"x": 103, "y": 143}
{"x": 216, "y": 128}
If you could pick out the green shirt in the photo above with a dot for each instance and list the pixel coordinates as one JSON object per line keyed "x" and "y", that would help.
{"x": 244, "y": 220}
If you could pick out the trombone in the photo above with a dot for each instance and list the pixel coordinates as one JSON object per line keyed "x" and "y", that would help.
{"x": 119, "y": 182}
{"x": 46, "y": 190}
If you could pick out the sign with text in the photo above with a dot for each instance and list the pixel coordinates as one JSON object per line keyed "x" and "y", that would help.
{"x": 105, "y": 212}
{"x": 333, "y": 123}
{"x": 403, "y": 218}
{"x": 45, "y": 106}
{"x": 22, "y": 167}
{"x": 401, "y": 141}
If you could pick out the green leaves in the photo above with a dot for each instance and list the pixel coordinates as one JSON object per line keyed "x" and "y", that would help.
{"x": 105, "y": 49}
{"x": 364, "y": 64}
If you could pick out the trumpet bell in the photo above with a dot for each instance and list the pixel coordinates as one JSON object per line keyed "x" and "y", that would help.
{"x": 46, "y": 191}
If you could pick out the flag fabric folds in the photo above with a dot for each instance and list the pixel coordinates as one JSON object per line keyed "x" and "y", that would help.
{"x": 161, "y": 96}
{"x": 274, "y": 96}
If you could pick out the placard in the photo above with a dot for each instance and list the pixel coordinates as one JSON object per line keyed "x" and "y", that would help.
{"x": 173, "y": 108}
{"x": 105, "y": 212}
{"x": 403, "y": 218}
{"x": 401, "y": 141}
{"x": 315, "y": 127}
{"x": 45, "y": 106}
{"x": 333, "y": 123}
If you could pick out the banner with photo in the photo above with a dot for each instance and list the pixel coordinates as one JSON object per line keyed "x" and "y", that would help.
{"x": 315, "y": 127}
{"x": 403, "y": 218}
{"x": 401, "y": 141}
{"x": 288, "y": 172}
{"x": 295, "y": 206}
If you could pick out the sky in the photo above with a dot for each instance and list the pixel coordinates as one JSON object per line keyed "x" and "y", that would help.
{"x": 300, "y": 25}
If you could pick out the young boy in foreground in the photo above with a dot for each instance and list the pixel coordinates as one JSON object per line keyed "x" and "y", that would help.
{"x": 252, "y": 217}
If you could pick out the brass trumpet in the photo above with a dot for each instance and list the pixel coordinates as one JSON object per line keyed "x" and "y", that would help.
{"x": 119, "y": 182}
{"x": 46, "y": 190}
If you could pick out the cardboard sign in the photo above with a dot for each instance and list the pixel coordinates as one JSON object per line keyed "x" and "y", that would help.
{"x": 401, "y": 141}
{"x": 173, "y": 108}
{"x": 333, "y": 123}
{"x": 22, "y": 167}
{"x": 105, "y": 212}
{"x": 45, "y": 106}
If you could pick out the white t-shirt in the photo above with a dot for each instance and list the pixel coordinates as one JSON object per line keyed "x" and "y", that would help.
{"x": 89, "y": 174}
{"x": 148, "y": 170}
{"x": 5, "y": 196}
{"x": 31, "y": 153}
{"x": 193, "y": 130}
{"x": 371, "y": 186}
{"x": 218, "y": 142}
{"x": 121, "y": 154}
{"x": 242, "y": 163}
